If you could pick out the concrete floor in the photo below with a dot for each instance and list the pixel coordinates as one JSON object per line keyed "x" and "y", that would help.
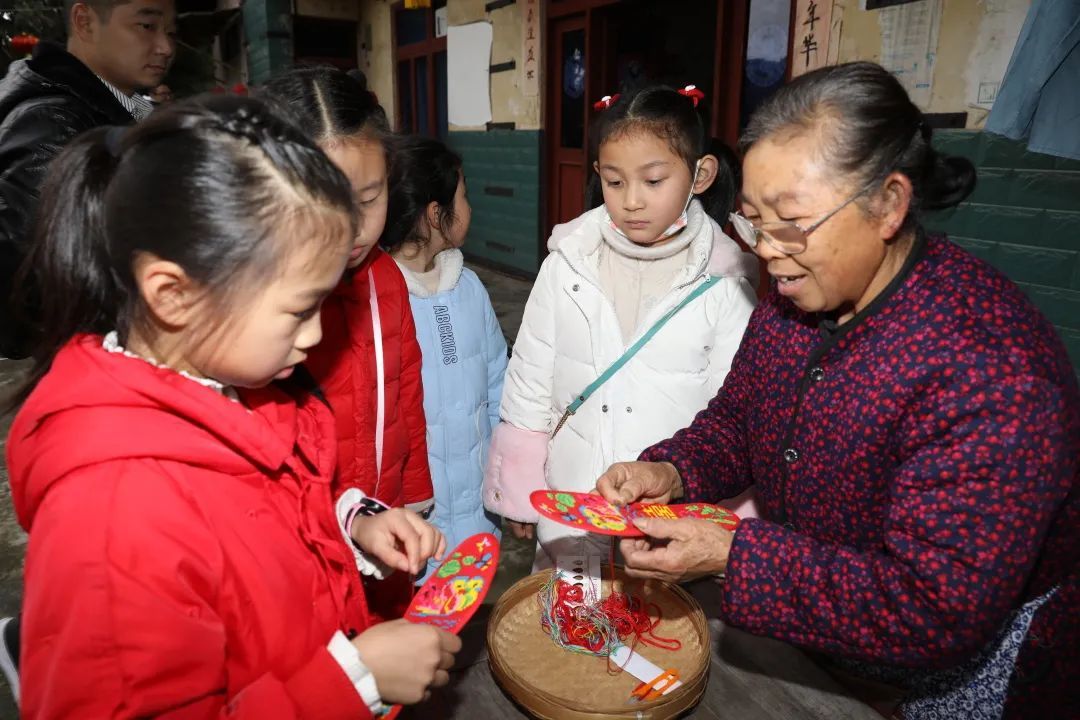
{"x": 508, "y": 295}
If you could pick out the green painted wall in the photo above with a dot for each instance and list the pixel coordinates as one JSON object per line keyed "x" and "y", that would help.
{"x": 268, "y": 30}
{"x": 1024, "y": 218}
{"x": 503, "y": 172}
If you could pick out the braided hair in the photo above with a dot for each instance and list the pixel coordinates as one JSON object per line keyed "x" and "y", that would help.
{"x": 207, "y": 183}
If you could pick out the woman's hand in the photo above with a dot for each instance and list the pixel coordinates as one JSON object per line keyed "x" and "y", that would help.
{"x": 399, "y": 538}
{"x": 677, "y": 550}
{"x": 629, "y": 482}
{"x": 522, "y": 531}
{"x": 407, "y": 659}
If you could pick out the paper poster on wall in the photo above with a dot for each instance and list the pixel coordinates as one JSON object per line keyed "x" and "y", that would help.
{"x": 999, "y": 30}
{"x": 835, "y": 33}
{"x": 810, "y": 41}
{"x": 468, "y": 63}
{"x": 909, "y": 38}
{"x": 530, "y": 48}
{"x": 766, "y": 53}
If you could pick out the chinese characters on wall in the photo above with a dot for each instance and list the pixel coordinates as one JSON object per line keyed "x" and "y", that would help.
{"x": 810, "y": 41}
{"x": 530, "y": 49}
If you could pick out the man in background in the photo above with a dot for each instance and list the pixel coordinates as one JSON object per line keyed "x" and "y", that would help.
{"x": 115, "y": 50}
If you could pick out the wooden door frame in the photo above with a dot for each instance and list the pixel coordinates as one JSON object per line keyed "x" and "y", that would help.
{"x": 730, "y": 59}
{"x": 732, "y": 19}
{"x": 552, "y": 122}
{"x": 556, "y": 12}
{"x": 428, "y": 49}
{"x": 562, "y": 8}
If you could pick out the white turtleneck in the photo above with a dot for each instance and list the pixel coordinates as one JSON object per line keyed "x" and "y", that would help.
{"x": 635, "y": 277}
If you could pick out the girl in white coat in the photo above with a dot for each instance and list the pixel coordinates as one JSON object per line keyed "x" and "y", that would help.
{"x": 612, "y": 276}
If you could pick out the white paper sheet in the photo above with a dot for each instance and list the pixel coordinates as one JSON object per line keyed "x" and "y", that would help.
{"x": 639, "y": 666}
{"x": 909, "y": 38}
{"x": 468, "y": 64}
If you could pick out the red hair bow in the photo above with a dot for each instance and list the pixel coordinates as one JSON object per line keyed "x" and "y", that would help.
{"x": 606, "y": 102}
{"x": 692, "y": 92}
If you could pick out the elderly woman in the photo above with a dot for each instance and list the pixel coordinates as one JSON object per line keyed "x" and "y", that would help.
{"x": 910, "y": 420}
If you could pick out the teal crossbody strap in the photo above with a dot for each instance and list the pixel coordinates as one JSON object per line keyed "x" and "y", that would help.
{"x": 631, "y": 352}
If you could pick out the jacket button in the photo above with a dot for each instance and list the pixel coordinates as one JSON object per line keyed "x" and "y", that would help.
{"x": 629, "y": 409}
{"x": 604, "y": 408}
{"x": 817, "y": 374}
{"x": 576, "y": 287}
{"x": 791, "y": 455}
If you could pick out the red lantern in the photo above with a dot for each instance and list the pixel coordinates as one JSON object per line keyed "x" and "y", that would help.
{"x": 23, "y": 43}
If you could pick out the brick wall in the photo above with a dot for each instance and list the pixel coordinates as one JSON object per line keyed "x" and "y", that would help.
{"x": 268, "y": 32}
{"x": 503, "y": 172}
{"x": 1024, "y": 218}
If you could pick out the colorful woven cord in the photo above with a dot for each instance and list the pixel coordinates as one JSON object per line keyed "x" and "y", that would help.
{"x": 583, "y": 625}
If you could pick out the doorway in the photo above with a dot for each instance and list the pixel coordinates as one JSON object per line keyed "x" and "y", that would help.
{"x": 567, "y": 94}
{"x": 603, "y": 47}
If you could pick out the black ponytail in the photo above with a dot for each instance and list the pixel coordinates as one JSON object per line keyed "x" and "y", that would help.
{"x": 870, "y": 128}
{"x": 673, "y": 117}
{"x": 75, "y": 285}
{"x": 424, "y": 171}
{"x": 218, "y": 185}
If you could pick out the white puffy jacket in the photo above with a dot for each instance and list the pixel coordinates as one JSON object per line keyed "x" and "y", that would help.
{"x": 570, "y": 334}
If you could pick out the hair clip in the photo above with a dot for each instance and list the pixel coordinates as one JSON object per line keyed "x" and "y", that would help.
{"x": 606, "y": 102}
{"x": 692, "y": 92}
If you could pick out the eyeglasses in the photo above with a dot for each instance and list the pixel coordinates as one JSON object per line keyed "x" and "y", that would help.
{"x": 787, "y": 236}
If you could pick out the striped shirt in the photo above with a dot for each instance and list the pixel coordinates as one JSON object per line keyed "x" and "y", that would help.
{"x": 137, "y": 105}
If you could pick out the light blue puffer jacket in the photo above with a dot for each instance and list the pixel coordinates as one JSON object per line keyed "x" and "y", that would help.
{"x": 464, "y": 360}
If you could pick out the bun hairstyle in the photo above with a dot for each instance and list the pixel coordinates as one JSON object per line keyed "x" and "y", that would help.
{"x": 424, "y": 171}
{"x": 673, "y": 116}
{"x": 207, "y": 183}
{"x": 868, "y": 128}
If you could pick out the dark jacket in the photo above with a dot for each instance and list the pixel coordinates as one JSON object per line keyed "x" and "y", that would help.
{"x": 44, "y": 103}
{"x": 917, "y": 477}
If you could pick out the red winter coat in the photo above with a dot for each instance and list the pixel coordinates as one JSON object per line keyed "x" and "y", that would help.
{"x": 344, "y": 364}
{"x": 184, "y": 558}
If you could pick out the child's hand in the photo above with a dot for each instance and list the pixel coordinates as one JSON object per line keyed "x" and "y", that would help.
{"x": 407, "y": 659}
{"x": 522, "y": 531}
{"x": 399, "y": 538}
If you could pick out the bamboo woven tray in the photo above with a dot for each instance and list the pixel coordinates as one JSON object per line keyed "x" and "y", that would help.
{"x": 555, "y": 684}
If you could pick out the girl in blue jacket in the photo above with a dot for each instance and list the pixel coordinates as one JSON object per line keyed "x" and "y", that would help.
{"x": 464, "y": 352}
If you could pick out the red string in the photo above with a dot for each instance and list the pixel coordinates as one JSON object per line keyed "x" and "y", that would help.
{"x": 629, "y": 617}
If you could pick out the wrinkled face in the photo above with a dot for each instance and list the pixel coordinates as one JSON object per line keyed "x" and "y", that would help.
{"x": 363, "y": 160}
{"x": 134, "y": 44}
{"x": 646, "y": 185}
{"x": 274, "y": 331}
{"x": 843, "y": 266}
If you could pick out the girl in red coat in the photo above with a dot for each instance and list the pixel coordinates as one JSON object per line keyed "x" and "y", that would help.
{"x": 186, "y": 556}
{"x": 368, "y": 363}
